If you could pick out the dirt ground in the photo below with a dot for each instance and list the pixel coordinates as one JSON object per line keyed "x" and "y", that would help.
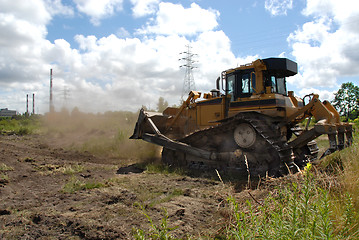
{"x": 37, "y": 202}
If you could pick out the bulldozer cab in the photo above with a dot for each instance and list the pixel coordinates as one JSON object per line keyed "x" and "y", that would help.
{"x": 259, "y": 77}
{"x": 258, "y": 86}
{"x": 240, "y": 84}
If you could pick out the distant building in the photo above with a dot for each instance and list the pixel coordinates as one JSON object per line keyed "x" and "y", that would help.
{"x": 7, "y": 113}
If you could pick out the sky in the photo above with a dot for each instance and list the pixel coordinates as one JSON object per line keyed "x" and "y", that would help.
{"x": 113, "y": 55}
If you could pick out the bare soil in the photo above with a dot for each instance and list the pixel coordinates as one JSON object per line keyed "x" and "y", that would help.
{"x": 35, "y": 205}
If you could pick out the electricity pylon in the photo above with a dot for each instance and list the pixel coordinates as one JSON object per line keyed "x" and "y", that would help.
{"x": 188, "y": 83}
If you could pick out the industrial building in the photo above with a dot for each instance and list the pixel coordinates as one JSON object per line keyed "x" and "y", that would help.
{"x": 7, "y": 113}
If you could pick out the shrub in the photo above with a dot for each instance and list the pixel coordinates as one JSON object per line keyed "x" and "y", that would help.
{"x": 20, "y": 126}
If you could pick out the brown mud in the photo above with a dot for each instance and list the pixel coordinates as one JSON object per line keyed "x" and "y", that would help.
{"x": 39, "y": 199}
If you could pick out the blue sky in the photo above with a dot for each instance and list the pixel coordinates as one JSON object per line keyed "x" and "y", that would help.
{"x": 114, "y": 55}
{"x": 250, "y": 27}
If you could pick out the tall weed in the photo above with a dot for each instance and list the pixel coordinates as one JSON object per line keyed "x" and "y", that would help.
{"x": 156, "y": 232}
{"x": 301, "y": 210}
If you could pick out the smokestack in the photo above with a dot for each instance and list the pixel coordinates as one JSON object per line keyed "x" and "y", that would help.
{"x": 33, "y": 103}
{"x": 27, "y": 104}
{"x": 51, "y": 103}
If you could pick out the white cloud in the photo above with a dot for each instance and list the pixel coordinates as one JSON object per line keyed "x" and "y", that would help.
{"x": 323, "y": 94}
{"x": 327, "y": 47}
{"x": 142, "y": 8}
{"x": 33, "y": 11}
{"x": 175, "y": 19}
{"x": 111, "y": 72}
{"x": 22, "y": 32}
{"x": 278, "y": 7}
{"x": 97, "y": 9}
{"x": 55, "y": 7}
{"x": 214, "y": 56}
{"x": 122, "y": 33}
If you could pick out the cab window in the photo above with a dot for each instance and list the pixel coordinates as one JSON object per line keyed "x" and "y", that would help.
{"x": 278, "y": 85}
{"x": 231, "y": 85}
{"x": 281, "y": 86}
{"x": 239, "y": 84}
{"x": 246, "y": 83}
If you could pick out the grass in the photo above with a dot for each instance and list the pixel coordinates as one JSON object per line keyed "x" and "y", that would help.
{"x": 47, "y": 169}
{"x": 167, "y": 197}
{"x": 147, "y": 189}
{"x": 74, "y": 185}
{"x": 4, "y": 178}
{"x": 301, "y": 210}
{"x": 20, "y": 125}
{"x": 321, "y": 202}
{"x": 154, "y": 167}
{"x": 4, "y": 167}
{"x": 72, "y": 169}
{"x": 157, "y": 231}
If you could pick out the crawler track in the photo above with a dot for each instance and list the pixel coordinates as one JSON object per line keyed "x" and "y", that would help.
{"x": 269, "y": 154}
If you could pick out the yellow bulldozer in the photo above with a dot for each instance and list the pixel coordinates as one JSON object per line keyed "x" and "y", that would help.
{"x": 250, "y": 122}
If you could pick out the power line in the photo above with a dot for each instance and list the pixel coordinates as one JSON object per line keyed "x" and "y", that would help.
{"x": 188, "y": 83}
{"x": 52, "y": 109}
{"x": 66, "y": 93}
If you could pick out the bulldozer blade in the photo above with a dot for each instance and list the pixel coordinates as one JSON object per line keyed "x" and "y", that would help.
{"x": 137, "y": 134}
{"x": 149, "y": 122}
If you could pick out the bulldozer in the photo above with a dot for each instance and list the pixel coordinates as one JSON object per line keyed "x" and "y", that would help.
{"x": 249, "y": 123}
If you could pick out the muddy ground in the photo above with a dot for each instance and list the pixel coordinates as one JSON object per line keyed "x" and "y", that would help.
{"x": 38, "y": 198}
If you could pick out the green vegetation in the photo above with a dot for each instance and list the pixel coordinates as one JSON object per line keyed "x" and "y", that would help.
{"x": 301, "y": 210}
{"x": 47, "y": 169}
{"x": 4, "y": 167}
{"x": 74, "y": 185}
{"x": 346, "y": 100}
{"x": 170, "y": 195}
{"x": 154, "y": 167}
{"x": 4, "y": 178}
{"x": 72, "y": 169}
{"x": 19, "y": 125}
{"x": 160, "y": 232}
{"x": 321, "y": 202}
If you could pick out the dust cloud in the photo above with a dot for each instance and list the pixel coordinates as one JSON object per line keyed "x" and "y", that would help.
{"x": 103, "y": 134}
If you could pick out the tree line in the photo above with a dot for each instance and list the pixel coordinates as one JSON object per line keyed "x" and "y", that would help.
{"x": 346, "y": 101}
